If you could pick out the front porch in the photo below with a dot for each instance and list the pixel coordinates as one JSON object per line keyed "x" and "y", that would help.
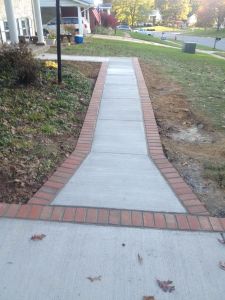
{"x": 73, "y": 13}
{"x": 17, "y": 25}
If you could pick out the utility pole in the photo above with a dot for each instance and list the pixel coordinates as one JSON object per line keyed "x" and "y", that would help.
{"x": 59, "y": 60}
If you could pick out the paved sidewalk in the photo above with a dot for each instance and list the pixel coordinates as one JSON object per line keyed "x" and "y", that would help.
{"x": 117, "y": 185}
{"x": 118, "y": 172}
{"x": 128, "y": 261}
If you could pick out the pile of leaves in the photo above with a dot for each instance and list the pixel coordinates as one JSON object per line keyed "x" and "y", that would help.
{"x": 39, "y": 126}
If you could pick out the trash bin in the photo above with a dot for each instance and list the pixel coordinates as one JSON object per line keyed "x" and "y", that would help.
{"x": 79, "y": 39}
{"x": 189, "y": 48}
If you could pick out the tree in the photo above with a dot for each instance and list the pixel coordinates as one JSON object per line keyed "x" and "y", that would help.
{"x": 174, "y": 10}
{"x": 211, "y": 12}
{"x": 194, "y": 6}
{"x": 132, "y": 11}
{"x": 108, "y": 20}
{"x": 206, "y": 14}
{"x": 219, "y": 13}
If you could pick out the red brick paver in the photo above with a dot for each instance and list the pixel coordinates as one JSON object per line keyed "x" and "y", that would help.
{"x": 114, "y": 217}
{"x": 39, "y": 208}
{"x": 179, "y": 186}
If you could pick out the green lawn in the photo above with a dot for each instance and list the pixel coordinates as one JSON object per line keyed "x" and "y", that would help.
{"x": 201, "y": 75}
{"x": 172, "y": 43}
{"x": 162, "y": 28}
{"x": 150, "y": 38}
{"x": 210, "y": 32}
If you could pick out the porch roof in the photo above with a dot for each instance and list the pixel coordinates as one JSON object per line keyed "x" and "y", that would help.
{"x": 51, "y": 3}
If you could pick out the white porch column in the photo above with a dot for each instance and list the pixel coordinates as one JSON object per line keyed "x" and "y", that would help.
{"x": 88, "y": 16}
{"x": 11, "y": 19}
{"x": 81, "y": 31}
{"x": 38, "y": 22}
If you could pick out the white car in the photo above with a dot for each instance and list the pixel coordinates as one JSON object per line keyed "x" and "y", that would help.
{"x": 64, "y": 22}
{"x": 124, "y": 27}
{"x": 142, "y": 31}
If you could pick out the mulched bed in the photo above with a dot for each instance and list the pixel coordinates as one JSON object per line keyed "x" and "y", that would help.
{"x": 39, "y": 127}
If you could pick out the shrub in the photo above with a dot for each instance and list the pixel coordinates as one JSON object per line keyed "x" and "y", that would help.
{"x": 18, "y": 66}
{"x": 108, "y": 20}
{"x": 103, "y": 30}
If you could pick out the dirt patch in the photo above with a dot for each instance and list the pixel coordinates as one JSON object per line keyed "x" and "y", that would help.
{"x": 40, "y": 126}
{"x": 189, "y": 140}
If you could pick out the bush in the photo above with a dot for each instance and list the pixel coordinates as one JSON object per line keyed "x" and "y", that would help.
{"x": 103, "y": 30}
{"x": 18, "y": 66}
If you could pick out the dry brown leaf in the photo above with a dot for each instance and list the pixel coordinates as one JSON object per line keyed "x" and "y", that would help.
{"x": 148, "y": 298}
{"x": 222, "y": 241}
{"x": 92, "y": 279}
{"x": 222, "y": 265}
{"x": 38, "y": 237}
{"x": 140, "y": 259}
{"x": 166, "y": 286}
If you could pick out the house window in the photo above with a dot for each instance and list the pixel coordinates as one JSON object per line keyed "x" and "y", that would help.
{"x": 24, "y": 26}
{"x": 6, "y": 30}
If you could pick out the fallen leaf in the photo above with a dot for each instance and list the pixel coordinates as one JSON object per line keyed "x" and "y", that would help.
{"x": 222, "y": 265}
{"x": 38, "y": 237}
{"x": 166, "y": 285}
{"x": 222, "y": 241}
{"x": 148, "y": 298}
{"x": 92, "y": 279}
{"x": 140, "y": 259}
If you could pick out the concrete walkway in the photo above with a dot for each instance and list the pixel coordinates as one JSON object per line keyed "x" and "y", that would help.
{"x": 118, "y": 172}
{"x": 123, "y": 263}
{"x": 107, "y": 262}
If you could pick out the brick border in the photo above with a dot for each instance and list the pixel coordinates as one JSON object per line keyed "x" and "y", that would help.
{"x": 113, "y": 217}
{"x": 184, "y": 193}
{"x": 47, "y": 193}
{"x": 38, "y": 207}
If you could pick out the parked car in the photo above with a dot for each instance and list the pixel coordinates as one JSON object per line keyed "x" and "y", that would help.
{"x": 142, "y": 31}
{"x": 124, "y": 27}
{"x": 65, "y": 22}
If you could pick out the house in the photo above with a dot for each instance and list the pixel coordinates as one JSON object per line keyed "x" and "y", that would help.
{"x": 155, "y": 17}
{"x": 23, "y": 18}
{"x": 78, "y": 12}
{"x": 20, "y": 18}
{"x": 105, "y": 7}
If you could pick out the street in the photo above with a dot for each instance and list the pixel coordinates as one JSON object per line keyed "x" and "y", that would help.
{"x": 204, "y": 41}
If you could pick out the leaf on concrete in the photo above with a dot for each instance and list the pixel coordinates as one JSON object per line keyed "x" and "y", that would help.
{"x": 148, "y": 298}
{"x": 166, "y": 286}
{"x": 221, "y": 241}
{"x": 38, "y": 237}
{"x": 140, "y": 259}
{"x": 92, "y": 279}
{"x": 222, "y": 265}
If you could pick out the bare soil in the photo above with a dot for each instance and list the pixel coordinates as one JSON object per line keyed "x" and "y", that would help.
{"x": 188, "y": 139}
